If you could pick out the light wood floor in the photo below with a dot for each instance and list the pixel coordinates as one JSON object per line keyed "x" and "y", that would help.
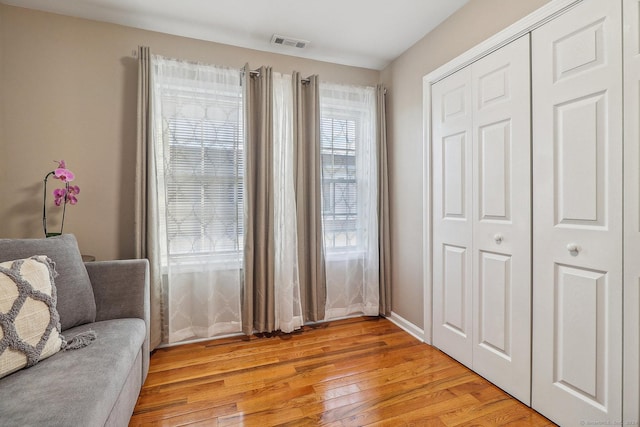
{"x": 351, "y": 372}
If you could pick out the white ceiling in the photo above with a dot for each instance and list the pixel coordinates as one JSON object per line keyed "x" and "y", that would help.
{"x": 364, "y": 33}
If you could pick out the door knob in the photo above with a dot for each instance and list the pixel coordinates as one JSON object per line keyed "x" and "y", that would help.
{"x": 573, "y": 248}
{"x": 498, "y": 238}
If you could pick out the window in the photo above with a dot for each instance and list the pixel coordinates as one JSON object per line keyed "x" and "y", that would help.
{"x": 347, "y": 153}
{"x": 339, "y": 184}
{"x": 203, "y": 162}
{"x": 206, "y": 190}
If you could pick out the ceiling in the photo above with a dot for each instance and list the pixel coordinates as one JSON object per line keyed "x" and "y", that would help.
{"x": 363, "y": 33}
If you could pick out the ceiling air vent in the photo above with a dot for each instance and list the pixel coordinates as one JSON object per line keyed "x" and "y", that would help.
{"x": 289, "y": 41}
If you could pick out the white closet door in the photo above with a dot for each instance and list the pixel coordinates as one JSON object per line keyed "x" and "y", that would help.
{"x": 502, "y": 218}
{"x": 452, "y": 216}
{"x": 577, "y": 215}
{"x": 631, "y": 380}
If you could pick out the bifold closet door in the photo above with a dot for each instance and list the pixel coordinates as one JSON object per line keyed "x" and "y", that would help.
{"x": 631, "y": 378}
{"x": 577, "y": 215}
{"x": 481, "y": 217}
{"x": 452, "y": 216}
{"x": 502, "y": 218}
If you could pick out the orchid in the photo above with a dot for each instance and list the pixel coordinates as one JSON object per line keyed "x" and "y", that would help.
{"x": 61, "y": 196}
{"x": 72, "y": 191}
{"x": 64, "y": 175}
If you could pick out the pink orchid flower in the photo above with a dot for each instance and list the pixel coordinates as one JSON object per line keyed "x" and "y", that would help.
{"x": 64, "y": 175}
{"x": 59, "y": 196}
{"x": 71, "y": 194}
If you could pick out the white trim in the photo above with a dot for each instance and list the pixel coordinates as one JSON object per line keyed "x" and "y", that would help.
{"x": 407, "y": 326}
{"x": 427, "y": 221}
{"x": 514, "y": 31}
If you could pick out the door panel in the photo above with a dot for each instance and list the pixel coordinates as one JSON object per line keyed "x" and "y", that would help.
{"x": 577, "y": 215}
{"x": 452, "y": 222}
{"x": 453, "y": 180}
{"x": 579, "y": 50}
{"x": 495, "y": 304}
{"x": 581, "y": 152}
{"x": 494, "y": 161}
{"x": 455, "y": 287}
{"x": 631, "y": 379}
{"x": 580, "y": 314}
{"x": 502, "y": 218}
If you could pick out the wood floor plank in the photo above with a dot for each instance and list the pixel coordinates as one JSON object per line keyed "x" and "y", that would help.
{"x": 352, "y": 372}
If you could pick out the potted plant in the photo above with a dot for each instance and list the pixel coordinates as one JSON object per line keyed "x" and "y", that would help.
{"x": 62, "y": 196}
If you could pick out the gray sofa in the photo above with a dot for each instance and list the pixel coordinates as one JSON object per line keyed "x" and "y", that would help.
{"x": 99, "y": 384}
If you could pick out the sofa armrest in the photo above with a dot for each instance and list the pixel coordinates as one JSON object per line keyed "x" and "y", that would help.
{"x": 121, "y": 290}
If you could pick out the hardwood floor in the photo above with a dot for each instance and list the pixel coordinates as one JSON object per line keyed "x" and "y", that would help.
{"x": 355, "y": 372}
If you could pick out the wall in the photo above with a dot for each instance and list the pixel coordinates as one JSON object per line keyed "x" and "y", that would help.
{"x": 69, "y": 92}
{"x": 470, "y": 25}
{"x": 3, "y": 177}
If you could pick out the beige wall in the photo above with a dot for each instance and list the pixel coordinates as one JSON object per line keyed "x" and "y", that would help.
{"x": 475, "y": 22}
{"x": 69, "y": 91}
{"x": 3, "y": 177}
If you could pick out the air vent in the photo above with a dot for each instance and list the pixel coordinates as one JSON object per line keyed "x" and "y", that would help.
{"x": 289, "y": 41}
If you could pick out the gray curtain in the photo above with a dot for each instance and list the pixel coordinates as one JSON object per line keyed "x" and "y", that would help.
{"x": 306, "y": 134}
{"x": 383, "y": 204}
{"x": 146, "y": 209}
{"x": 258, "y": 301}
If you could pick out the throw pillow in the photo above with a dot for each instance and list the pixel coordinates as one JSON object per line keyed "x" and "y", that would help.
{"x": 76, "y": 302}
{"x": 29, "y": 322}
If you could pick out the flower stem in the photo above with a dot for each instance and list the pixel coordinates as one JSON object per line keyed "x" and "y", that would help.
{"x": 64, "y": 208}
{"x": 44, "y": 203}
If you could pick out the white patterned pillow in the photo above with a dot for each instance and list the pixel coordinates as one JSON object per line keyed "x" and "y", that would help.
{"x": 29, "y": 322}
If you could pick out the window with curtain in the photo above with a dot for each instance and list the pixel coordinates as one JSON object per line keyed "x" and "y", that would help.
{"x": 339, "y": 183}
{"x": 199, "y": 143}
{"x": 205, "y": 191}
{"x": 349, "y": 199}
{"x": 199, "y": 152}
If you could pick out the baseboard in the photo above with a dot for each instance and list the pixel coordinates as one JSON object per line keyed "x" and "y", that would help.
{"x": 407, "y": 326}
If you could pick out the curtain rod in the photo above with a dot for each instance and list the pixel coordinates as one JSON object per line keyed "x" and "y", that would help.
{"x": 256, "y": 73}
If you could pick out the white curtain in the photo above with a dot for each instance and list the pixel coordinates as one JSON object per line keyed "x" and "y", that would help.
{"x": 288, "y": 309}
{"x": 349, "y": 199}
{"x": 197, "y": 124}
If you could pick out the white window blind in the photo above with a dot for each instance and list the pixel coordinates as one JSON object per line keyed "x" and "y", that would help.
{"x": 205, "y": 192}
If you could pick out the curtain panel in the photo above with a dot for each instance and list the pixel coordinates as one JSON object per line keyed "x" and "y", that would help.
{"x": 383, "y": 203}
{"x": 258, "y": 309}
{"x": 198, "y": 150}
{"x": 306, "y": 132}
{"x": 146, "y": 202}
{"x": 350, "y": 199}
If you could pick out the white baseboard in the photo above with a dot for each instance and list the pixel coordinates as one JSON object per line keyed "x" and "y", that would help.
{"x": 407, "y": 326}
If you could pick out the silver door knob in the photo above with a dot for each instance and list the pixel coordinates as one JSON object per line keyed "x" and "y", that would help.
{"x": 573, "y": 248}
{"x": 498, "y": 238}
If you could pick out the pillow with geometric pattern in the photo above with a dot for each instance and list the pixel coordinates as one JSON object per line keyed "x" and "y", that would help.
{"x": 29, "y": 321}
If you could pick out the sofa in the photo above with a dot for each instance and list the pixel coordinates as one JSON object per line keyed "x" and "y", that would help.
{"x": 98, "y": 384}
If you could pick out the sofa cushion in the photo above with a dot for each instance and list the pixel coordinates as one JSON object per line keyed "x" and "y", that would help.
{"x": 76, "y": 304}
{"x": 90, "y": 379}
{"x": 29, "y": 322}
